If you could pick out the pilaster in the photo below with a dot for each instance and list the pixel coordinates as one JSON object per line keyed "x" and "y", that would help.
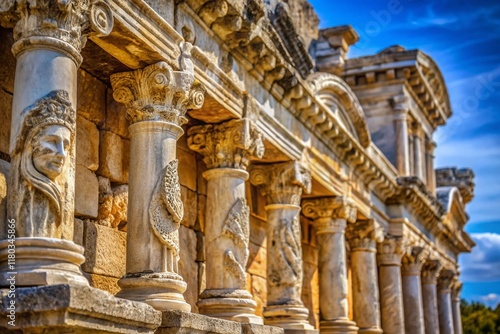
{"x": 330, "y": 216}
{"x": 157, "y": 98}
{"x": 363, "y": 237}
{"x": 282, "y": 185}
{"x": 226, "y": 149}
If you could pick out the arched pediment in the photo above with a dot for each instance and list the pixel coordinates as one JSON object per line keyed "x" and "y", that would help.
{"x": 336, "y": 95}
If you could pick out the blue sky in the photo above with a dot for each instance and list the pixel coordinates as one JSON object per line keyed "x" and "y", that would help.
{"x": 463, "y": 37}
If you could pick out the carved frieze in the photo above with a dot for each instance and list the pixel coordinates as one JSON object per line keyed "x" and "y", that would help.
{"x": 227, "y": 145}
{"x": 390, "y": 251}
{"x": 236, "y": 228}
{"x": 65, "y": 24}
{"x": 462, "y": 178}
{"x": 430, "y": 271}
{"x": 166, "y": 209}
{"x": 40, "y": 196}
{"x": 159, "y": 93}
{"x": 364, "y": 235}
{"x": 413, "y": 260}
{"x": 282, "y": 183}
{"x": 326, "y": 212}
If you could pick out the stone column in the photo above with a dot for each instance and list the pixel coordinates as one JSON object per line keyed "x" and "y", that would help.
{"x": 430, "y": 272}
{"x": 282, "y": 185}
{"x": 400, "y": 107}
{"x": 412, "y": 289}
{"x": 431, "y": 177}
{"x": 417, "y": 151}
{"x": 49, "y": 36}
{"x": 157, "y": 99}
{"x": 445, "y": 281}
{"x": 363, "y": 237}
{"x": 226, "y": 149}
{"x": 389, "y": 254}
{"x": 331, "y": 215}
{"x": 457, "y": 316}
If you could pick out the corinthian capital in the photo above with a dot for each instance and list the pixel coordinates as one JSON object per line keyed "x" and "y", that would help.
{"x": 282, "y": 183}
{"x": 364, "y": 235}
{"x": 327, "y": 211}
{"x": 60, "y": 24}
{"x": 456, "y": 289}
{"x": 413, "y": 260}
{"x": 430, "y": 271}
{"x": 227, "y": 145}
{"x": 159, "y": 93}
{"x": 446, "y": 279}
{"x": 390, "y": 251}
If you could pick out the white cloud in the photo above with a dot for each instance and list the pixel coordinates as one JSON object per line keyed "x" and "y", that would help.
{"x": 491, "y": 299}
{"x": 483, "y": 263}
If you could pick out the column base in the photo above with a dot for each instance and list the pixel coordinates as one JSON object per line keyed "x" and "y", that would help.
{"x": 163, "y": 291}
{"x": 294, "y": 317}
{"x": 64, "y": 308}
{"x": 371, "y": 330}
{"x": 235, "y": 305}
{"x": 40, "y": 261}
{"x": 343, "y": 326}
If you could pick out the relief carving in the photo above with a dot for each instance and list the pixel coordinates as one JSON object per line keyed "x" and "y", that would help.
{"x": 40, "y": 197}
{"x": 166, "y": 209}
{"x": 227, "y": 145}
{"x": 237, "y": 230}
{"x": 288, "y": 252}
{"x": 157, "y": 92}
{"x": 282, "y": 183}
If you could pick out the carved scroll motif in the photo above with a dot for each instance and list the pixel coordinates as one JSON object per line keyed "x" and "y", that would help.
{"x": 40, "y": 198}
{"x": 166, "y": 209}
{"x": 288, "y": 254}
{"x": 236, "y": 229}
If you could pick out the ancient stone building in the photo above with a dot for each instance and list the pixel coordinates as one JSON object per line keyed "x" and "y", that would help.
{"x": 220, "y": 166}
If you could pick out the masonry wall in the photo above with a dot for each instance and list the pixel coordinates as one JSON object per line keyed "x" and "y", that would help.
{"x": 102, "y": 160}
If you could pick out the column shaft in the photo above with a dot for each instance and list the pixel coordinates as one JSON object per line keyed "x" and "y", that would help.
{"x": 445, "y": 312}
{"x": 402, "y": 148}
{"x": 412, "y": 299}
{"x": 429, "y": 297}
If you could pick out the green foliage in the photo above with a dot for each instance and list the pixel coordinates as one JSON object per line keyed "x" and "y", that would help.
{"x": 478, "y": 318}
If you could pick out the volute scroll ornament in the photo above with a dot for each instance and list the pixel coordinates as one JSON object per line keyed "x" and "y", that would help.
{"x": 158, "y": 93}
{"x": 60, "y": 24}
{"x": 326, "y": 212}
{"x": 364, "y": 235}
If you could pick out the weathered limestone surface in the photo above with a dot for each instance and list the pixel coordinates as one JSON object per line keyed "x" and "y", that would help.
{"x": 77, "y": 309}
{"x": 389, "y": 254}
{"x": 331, "y": 216}
{"x": 86, "y": 193}
{"x": 430, "y": 273}
{"x": 363, "y": 237}
{"x": 445, "y": 281}
{"x": 412, "y": 264}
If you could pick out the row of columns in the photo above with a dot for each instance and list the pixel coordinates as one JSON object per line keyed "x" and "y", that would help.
{"x": 157, "y": 97}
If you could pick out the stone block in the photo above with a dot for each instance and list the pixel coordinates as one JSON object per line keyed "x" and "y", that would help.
{"x": 189, "y": 199}
{"x": 91, "y": 103}
{"x": 86, "y": 193}
{"x": 105, "y": 250}
{"x": 116, "y": 116}
{"x": 188, "y": 267}
{"x": 111, "y": 157}
{"x": 78, "y": 229}
{"x": 261, "y": 329}
{"x": 310, "y": 292}
{"x": 202, "y": 210}
{"x": 187, "y": 169}
{"x": 200, "y": 247}
{"x": 5, "y": 116}
{"x": 310, "y": 254}
{"x": 202, "y": 182}
{"x": 259, "y": 293}
{"x": 8, "y": 68}
{"x": 188, "y": 323}
{"x": 4, "y": 176}
{"x": 257, "y": 231}
{"x": 63, "y": 308}
{"x": 87, "y": 144}
{"x": 257, "y": 261}
{"x": 112, "y": 204}
{"x": 106, "y": 283}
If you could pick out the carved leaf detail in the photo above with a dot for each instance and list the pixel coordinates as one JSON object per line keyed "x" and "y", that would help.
{"x": 166, "y": 209}
{"x": 236, "y": 225}
{"x": 235, "y": 268}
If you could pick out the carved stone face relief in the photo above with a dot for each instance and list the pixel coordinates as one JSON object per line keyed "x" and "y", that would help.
{"x": 51, "y": 150}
